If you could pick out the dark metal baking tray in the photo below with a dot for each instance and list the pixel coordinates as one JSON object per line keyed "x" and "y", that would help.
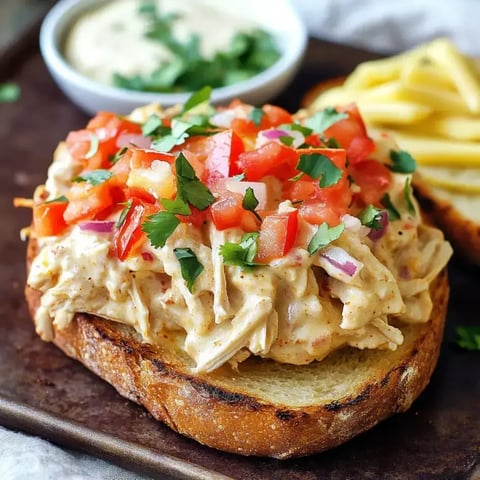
{"x": 45, "y": 393}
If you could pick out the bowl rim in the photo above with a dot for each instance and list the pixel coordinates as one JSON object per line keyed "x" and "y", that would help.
{"x": 64, "y": 13}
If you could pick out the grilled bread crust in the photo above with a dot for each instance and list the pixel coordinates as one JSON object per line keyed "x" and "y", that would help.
{"x": 264, "y": 408}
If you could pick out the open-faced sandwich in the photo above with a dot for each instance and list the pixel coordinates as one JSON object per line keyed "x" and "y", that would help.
{"x": 260, "y": 282}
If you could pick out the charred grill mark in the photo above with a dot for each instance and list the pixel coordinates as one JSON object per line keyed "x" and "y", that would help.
{"x": 285, "y": 415}
{"x": 207, "y": 391}
{"x": 336, "y": 405}
{"x": 210, "y": 391}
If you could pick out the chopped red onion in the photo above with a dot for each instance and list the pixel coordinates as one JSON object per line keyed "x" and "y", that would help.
{"x": 339, "y": 264}
{"x": 378, "y": 233}
{"x": 147, "y": 256}
{"x": 97, "y": 226}
{"x": 274, "y": 134}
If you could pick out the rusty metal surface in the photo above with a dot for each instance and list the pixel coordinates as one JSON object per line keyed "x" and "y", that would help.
{"x": 43, "y": 392}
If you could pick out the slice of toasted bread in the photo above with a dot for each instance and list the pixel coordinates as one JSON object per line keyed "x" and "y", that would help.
{"x": 265, "y": 408}
{"x": 455, "y": 213}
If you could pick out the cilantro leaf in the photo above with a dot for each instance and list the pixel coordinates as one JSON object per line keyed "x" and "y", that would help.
{"x": 468, "y": 337}
{"x": 239, "y": 177}
{"x": 190, "y": 189}
{"x": 177, "y": 136}
{"x": 256, "y": 115}
{"x": 371, "y": 217}
{"x": 296, "y": 127}
{"x": 94, "y": 143}
{"x": 152, "y": 126}
{"x": 324, "y": 119}
{"x": 318, "y": 165}
{"x": 124, "y": 213}
{"x": 324, "y": 236}
{"x": 407, "y": 193}
{"x": 159, "y": 227}
{"x": 402, "y": 162}
{"x": 241, "y": 254}
{"x": 393, "y": 213}
{"x": 249, "y": 201}
{"x": 177, "y": 206}
{"x": 9, "y": 92}
{"x": 61, "y": 198}
{"x": 286, "y": 140}
{"x": 198, "y": 97}
{"x": 190, "y": 267}
{"x": 94, "y": 177}
{"x": 115, "y": 158}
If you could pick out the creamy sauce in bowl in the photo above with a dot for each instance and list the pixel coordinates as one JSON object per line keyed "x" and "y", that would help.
{"x": 111, "y": 39}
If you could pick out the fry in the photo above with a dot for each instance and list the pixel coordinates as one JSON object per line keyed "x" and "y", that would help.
{"x": 460, "y": 70}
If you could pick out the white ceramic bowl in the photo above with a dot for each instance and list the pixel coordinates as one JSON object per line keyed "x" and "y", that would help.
{"x": 276, "y": 16}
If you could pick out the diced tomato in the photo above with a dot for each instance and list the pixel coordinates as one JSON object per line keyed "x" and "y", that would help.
{"x": 273, "y": 116}
{"x": 337, "y": 196}
{"x": 87, "y": 201}
{"x": 48, "y": 218}
{"x": 143, "y": 158}
{"x": 228, "y": 212}
{"x": 359, "y": 149}
{"x": 373, "y": 178}
{"x": 217, "y": 152}
{"x": 299, "y": 190}
{"x": 270, "y": 159}
{"x": 317, "y": 213}
{"x": 197, "y": 218}
{"x": 277, "y": 236}
{"x": 106, "y": 127}
{"x": 351, "y": 134}
{"x": 130, "y": 232}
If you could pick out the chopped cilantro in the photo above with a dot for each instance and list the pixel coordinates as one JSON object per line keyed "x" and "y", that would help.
{"x": 239, "y": 177}
{"x": 286, "y": 140}
{"x": 248, "y": 54}
{"x": 241, "y": 254}
{"x": 333, "y": 143}
{"x": 9, "y": 92}
{"x": 320, "y": 166}
{"x": 60, "y": 199}
{"x": 115, "y": 158}
{"x": 256, "y": 115}
{"x": 190, "y": 189}
{"x": 124, "y": 213}
{"x": 197, "y": 98}
{"x": 393, "y": 213}
{"x": 177, "y": 136}
{"x": 152, "y": 126}
{"x": 324, "y": 236}
{"x": 190, "y": 267}
{"x": 468, "y": 337}
{"x": 94, "y": 177}
{"x": 94, "y": 143}
{"x": 324, "y": 119}
{"x": 249, "y": 201}
{"x": 402, "y": 162}
{"x": 177, "y": 206}
{"x": 296, "y": 127}
{"x": 371, "y": 217}
{"x": 159, "y": 227}
{"x": 407, "y": 193}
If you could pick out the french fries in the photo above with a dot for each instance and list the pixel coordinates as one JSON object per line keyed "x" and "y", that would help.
{"x": 429, "y": 99}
